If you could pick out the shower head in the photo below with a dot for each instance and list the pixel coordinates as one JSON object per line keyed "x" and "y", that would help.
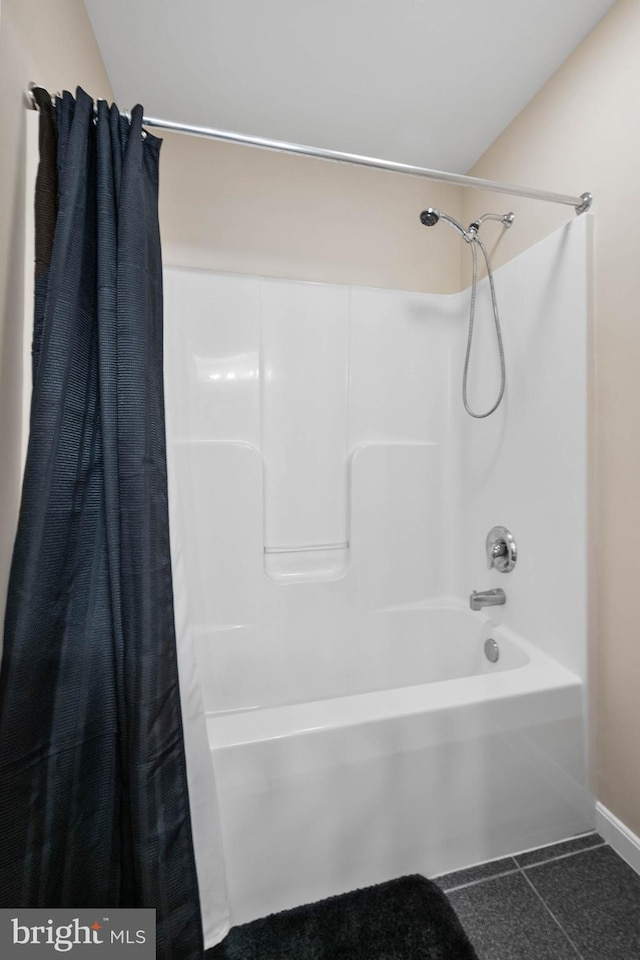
{"x": 430, "y": 217}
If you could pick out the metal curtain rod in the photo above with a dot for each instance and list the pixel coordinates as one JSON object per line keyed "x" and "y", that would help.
{"x": 581, "y": 204}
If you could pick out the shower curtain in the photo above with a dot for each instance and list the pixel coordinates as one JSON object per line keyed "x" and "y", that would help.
{"x": 94, "y": 800}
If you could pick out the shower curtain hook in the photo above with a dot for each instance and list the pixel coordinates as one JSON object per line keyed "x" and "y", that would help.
{"x": 30, "y": 97}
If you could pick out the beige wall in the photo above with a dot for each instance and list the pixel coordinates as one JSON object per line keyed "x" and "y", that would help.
{"x": 582, "y": 132}
{"x": 232, "y": 208}
{"x": 245, "y": 210}
{"x": 52, "y": 43}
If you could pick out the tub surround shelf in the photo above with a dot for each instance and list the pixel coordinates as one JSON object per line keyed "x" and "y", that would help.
{"x": 308, "y": 548}
{"x": 306, "y": 564}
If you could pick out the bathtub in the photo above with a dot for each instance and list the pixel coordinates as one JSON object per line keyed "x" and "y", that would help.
{"x": 441, "y": 760}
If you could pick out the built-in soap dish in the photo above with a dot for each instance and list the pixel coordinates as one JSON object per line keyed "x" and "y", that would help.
{"x": 305, "y": 563}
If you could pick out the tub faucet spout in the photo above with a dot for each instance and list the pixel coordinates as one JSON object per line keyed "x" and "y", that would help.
{"x": 487, "y": 598}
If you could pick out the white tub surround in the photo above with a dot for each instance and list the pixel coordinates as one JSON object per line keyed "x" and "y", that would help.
{"x": 333, "y": 500}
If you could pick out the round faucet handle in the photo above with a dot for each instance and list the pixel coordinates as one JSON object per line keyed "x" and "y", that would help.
{"x": 501, "y": 549}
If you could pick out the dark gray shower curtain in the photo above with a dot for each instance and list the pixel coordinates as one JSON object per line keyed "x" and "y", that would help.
{"x": 94, "y": 805}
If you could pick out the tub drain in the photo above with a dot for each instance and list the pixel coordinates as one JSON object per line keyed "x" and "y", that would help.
{"x": 491, "y": 650}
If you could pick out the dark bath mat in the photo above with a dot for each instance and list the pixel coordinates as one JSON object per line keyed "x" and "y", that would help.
{"x": 405, "y": 919}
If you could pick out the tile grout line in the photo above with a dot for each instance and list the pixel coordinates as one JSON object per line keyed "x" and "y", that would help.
{"x": 516, "y": 867}
{"x": 474, "y": 883}
{"x": 551, "y": 913}
{"x": 561, "y": 856}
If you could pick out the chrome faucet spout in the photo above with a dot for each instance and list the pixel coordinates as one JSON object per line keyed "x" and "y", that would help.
{"x": 487, "y": 598}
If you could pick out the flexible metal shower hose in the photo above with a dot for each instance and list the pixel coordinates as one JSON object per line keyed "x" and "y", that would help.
{"x": 474, "y": 283}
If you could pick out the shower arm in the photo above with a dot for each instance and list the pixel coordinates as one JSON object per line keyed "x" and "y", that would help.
{"x": 506, "y": 219}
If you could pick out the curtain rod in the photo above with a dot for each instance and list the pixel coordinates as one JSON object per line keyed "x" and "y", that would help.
{"x": 581, "y": 204}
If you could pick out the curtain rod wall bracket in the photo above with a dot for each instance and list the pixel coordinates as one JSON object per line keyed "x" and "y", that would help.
{"x": 580, "y": 204}
{"x": 587, "y": 200}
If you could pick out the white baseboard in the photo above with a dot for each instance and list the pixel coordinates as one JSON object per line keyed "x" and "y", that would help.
{"x": 623, "y": 840}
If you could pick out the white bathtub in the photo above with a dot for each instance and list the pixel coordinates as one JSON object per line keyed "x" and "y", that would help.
{"x": 455, "y": 761}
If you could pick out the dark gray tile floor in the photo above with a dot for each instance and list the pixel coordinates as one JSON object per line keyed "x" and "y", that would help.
{"x": 575, "y": 900}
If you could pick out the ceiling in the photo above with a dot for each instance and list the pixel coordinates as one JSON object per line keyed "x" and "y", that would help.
{"x": 416, "y": 81}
